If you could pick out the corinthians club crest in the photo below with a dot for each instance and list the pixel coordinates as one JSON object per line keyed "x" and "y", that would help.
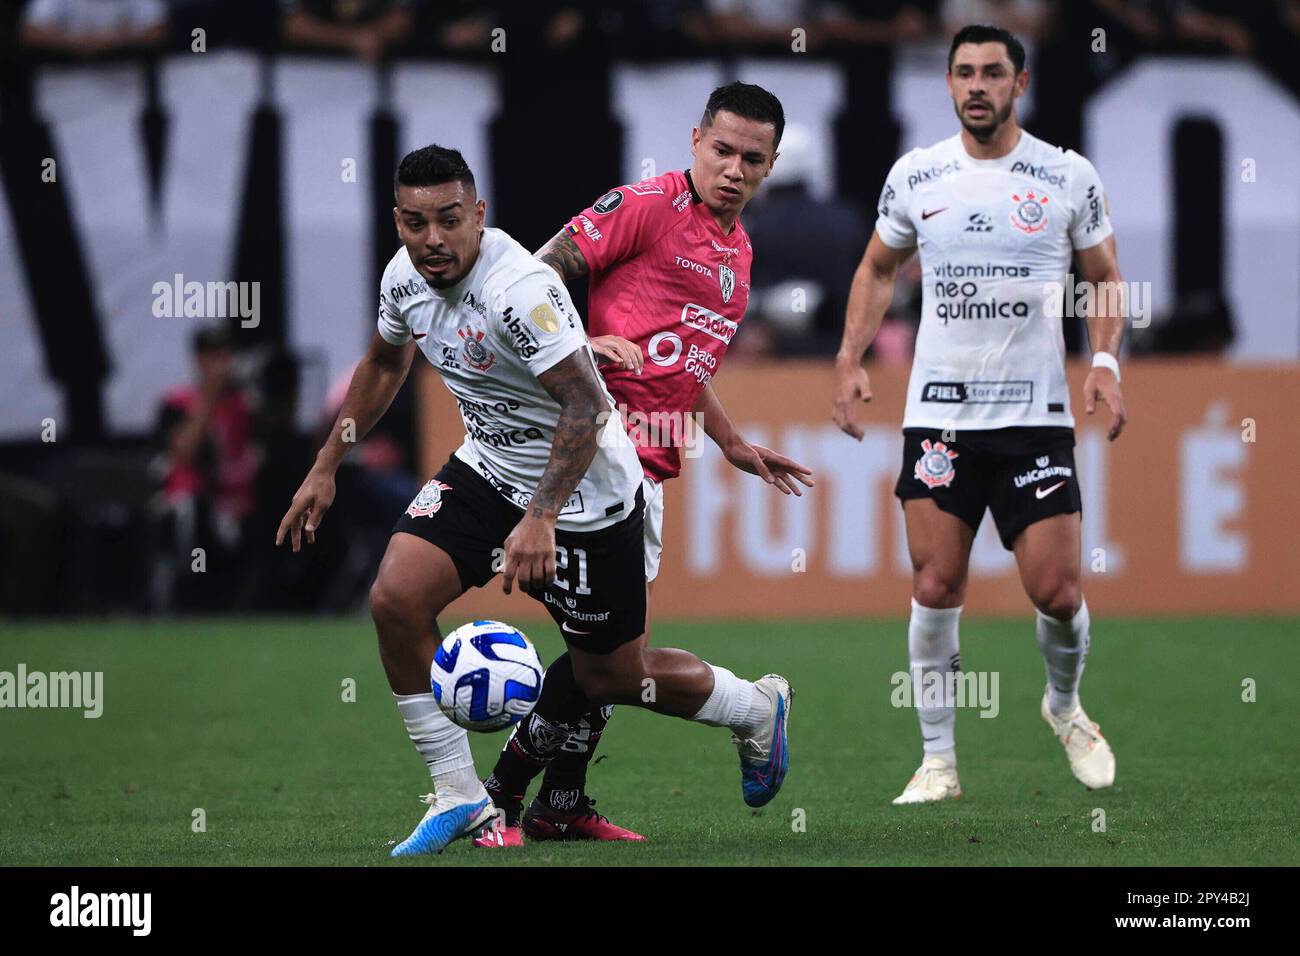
{"x": 1030, "y": 215}
{"x": 934, "y": 468}
{"x": 727, "y": 281}
{"x": 429, "y": 500}
{"x": 476, "y": 353}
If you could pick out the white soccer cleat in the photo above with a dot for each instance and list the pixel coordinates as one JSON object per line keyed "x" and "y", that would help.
{"x": 450, "y": 815}
{"x": 1091, "y": 758}
{"x": 935, "y": 779}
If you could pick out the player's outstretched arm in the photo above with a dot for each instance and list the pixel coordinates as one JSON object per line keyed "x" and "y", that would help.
{"x": 562, "y": 254}
{"x": 1099, "y": 267}
{"x": 374, "y": 385}
{"x": 530, "y": 549}
{"x": 773, "y": 467}
{"x": 869, "y": 297}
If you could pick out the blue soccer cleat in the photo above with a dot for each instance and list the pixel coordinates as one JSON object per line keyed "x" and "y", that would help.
{"x": 765, "y": 758}
{"x": 448, "y": 817}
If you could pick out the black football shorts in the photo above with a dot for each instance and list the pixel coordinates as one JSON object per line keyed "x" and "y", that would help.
{"x": 1021, "y": 474}
{"x": 598, "y": 596}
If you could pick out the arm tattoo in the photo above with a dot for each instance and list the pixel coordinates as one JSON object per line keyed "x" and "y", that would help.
{"x": 574, "y": 385}
{"x": 562, "y": 254}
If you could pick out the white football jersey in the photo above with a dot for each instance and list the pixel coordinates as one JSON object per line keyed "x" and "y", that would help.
{"x": 490, "y": 336}
{"x": 991, "y": 234}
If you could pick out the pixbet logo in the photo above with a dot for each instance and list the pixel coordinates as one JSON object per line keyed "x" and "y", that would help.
{"x": 1038, "y": 172}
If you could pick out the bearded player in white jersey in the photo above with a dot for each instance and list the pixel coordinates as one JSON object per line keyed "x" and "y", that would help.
{"x": 545, "y": 489}
{"x": 996, "y": 215}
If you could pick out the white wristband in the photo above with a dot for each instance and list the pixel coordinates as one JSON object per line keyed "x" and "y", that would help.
{"x": 1106, "y": 360}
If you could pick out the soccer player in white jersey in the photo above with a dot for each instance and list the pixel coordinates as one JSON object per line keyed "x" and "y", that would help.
{"x": 545, "y": 488}
{"x": 996, "y": 215}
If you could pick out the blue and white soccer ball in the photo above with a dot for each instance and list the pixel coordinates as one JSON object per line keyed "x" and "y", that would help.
{"x": 486, "y": 676}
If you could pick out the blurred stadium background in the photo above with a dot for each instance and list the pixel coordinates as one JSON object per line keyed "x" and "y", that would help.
{"x": 249, "y": 147}
{"x": 145, "y": 145}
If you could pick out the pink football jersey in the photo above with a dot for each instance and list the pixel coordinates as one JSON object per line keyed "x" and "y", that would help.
{"x": 666, "y": 277}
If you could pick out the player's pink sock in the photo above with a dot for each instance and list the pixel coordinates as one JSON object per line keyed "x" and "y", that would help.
{"x": 932, "y": 650}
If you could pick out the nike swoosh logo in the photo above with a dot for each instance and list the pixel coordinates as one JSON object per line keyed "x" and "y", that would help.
{"x": 568, "y": 630}
{"x": 928, "y": 739}
{"x": 932, "y": 212}
{"x": 1041, "y": 493}
{"x": 418, "y": 335}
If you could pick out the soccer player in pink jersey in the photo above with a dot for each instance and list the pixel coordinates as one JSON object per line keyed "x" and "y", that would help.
{"x": 669, "y": 266}
{"x": 557, "y": 507}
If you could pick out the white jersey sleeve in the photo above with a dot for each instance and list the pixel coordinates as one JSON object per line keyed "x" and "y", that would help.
{"x": 393, "y": 327}
{"x": 894, "y": 223}
{"x": 536, "y": 321}
{"x": 1090, "y": 213}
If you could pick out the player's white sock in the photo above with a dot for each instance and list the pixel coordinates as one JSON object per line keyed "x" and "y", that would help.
{"x": 735, "y": 703}
{"x": 1064, "y": 646}
{"x": 932, "y": 649}
{"x": 443, "y": 745}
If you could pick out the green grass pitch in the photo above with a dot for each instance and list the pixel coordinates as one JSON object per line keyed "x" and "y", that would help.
{"x": 245, "y": 719}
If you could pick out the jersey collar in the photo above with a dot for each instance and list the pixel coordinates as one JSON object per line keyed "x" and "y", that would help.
{"x": 690, "y": 184}
{"x": 1016, "y": 152}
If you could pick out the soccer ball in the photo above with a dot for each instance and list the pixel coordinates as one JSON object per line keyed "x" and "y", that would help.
{"x": 486, "y": 676}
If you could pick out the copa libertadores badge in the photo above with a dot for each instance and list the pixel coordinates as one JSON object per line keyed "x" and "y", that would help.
{"x": 935, "y": 468}
{"x": 608, "y": 202}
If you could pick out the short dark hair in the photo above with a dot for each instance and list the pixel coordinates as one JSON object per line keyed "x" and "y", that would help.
{"x": 211, "y": 338}
{"x": 433, "y": 165}
{"x": 748, "y": 101}
{"x": 987, "y": 33}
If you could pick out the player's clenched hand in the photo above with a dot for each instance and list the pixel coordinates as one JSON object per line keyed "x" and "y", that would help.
{"x": 307, "y": 510}
{"x": 771, "y": 466}
{"x": 851, "y": 386}
{"x": 618, "y": 351}
{"x": 1102, "y": 383}
{"x": 530, "y": 555}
